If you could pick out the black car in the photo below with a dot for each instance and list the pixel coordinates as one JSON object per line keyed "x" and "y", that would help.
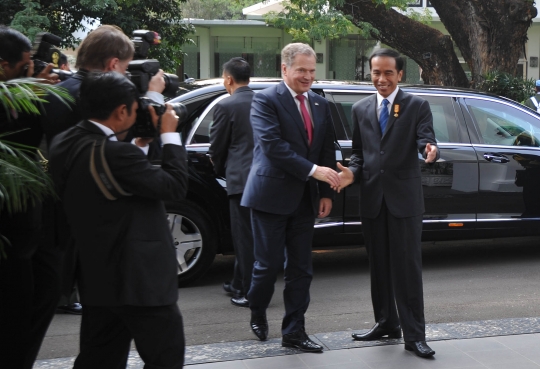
{"x": 485, "y": 184}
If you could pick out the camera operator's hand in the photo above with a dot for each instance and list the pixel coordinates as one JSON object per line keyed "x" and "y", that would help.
{"x": 157, "y": 83}
{"x": 45, "y": 74}
{"x": 169, "y": 119}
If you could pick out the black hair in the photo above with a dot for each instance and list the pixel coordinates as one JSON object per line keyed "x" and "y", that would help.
{"x": 12, "y": 45}
{"x": 62, "y": 60}
{"x": 239, "y": 69}
{"x": 102, "y": 92}
{"x": 388, "y": 53}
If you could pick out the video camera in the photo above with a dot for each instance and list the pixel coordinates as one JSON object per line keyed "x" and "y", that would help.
{"x": 45, "y": 52}
{"x": 140, "y": 71}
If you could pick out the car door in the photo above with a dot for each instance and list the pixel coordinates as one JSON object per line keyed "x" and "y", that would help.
{"x": 450, "y": 185}
{"x": 506, "y": 139}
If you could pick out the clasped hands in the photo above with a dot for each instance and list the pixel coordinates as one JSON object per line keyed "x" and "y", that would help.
{"x": 336, "y": 180}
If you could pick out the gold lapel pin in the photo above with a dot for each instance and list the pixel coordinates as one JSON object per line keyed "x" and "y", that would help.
{"x": 396, "y": 110}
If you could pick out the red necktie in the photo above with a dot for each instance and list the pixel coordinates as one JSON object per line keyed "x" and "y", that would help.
{"x": 307, "y": 118}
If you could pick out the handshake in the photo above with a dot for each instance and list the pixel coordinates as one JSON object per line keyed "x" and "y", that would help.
{"x": 336, "y": 180}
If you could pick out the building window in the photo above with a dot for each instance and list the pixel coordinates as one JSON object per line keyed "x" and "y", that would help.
{"x": 192, "y": 61}
{"x": 262, "y": 54}
{"x": 415, "y": 3}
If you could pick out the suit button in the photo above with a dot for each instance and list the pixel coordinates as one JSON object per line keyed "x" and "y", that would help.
{"x": 382, "y": 170}
{"x": 382, "y": 152}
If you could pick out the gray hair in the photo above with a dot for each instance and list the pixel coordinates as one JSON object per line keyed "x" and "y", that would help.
{"x": 290, "y": 51}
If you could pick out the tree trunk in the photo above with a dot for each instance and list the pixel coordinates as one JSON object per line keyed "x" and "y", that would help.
{"x": 490, "y": 34}
{"x": 429, "y": 48}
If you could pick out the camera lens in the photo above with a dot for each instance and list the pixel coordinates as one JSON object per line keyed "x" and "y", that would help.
{"x": 180, "y": 110}
{"x": 171, "y": 84}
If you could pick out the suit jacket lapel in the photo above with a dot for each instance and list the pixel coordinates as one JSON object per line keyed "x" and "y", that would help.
{"x": 286, "y": 99}
{"x": 398, "y": 101}
{"x": 317, "y": 117}
{"x": 371, "y": 111}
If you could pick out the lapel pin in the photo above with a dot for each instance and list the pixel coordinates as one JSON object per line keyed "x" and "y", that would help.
{"x": 317, "y": 104}
{"x": 396, "y": 110}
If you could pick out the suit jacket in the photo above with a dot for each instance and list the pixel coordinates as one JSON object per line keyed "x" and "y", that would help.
{"x": 387, "y": 165}
{"x": 231, "y": 139}
{"x": 126, "y": 253}
{"x": 59, "y": 116}
{"x": 283, "y": 158}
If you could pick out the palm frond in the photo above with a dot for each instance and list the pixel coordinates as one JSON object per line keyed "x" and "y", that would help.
{"x": 28, "y": 94}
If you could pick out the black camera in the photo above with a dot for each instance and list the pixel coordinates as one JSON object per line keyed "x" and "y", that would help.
{"x": 141, "y": 70}
{"x": 144, "y": 127}
{"x": 45, "y": 52}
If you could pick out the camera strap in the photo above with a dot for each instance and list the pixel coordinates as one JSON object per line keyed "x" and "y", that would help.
{"x": 102, "y": 174}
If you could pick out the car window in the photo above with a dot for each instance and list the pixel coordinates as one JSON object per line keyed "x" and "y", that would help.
{"x": 343, "y": 104}
{"x": 201, "y": 134}
{"x": 444, "y": 117}
{"x": 501, "y": 124}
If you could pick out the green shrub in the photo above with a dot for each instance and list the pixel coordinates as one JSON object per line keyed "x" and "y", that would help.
{"x": 504, "y": 84}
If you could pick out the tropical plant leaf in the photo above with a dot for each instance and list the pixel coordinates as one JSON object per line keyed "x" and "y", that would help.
{"x": 28, "y": 94}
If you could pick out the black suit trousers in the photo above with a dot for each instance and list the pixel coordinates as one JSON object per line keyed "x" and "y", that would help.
{"x": 106, "y": 334}
{"x": 395, "y": 258}
{"x": 29, "y": 288}
{"x": 283, "y": 241}
{"x": 243, "y": 244}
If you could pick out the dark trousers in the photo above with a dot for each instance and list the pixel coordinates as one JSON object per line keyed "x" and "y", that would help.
{"x": 29, "y": 289}
{"x": 106, "y": 334}
{"x": 395, "y": 258}
{"x": 243, "y": 244}
{"x": 283, "y": 240}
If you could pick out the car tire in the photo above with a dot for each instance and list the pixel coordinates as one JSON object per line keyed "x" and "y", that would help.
{"x": 193, "y": 239}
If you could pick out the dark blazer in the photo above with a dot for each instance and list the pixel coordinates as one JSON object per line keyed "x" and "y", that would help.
{"x": 231, "y": 139}
{"x": 283, "y": 158}
{"x": 126, "y": 253}
{"x": 388, "y": 166}
{"x": 59, "y": 116}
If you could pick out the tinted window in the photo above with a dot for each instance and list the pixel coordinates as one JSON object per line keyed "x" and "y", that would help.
{"x": 501, "y": 124}
{"x": 444, "y": 118}
{"x": 202, "y": 133}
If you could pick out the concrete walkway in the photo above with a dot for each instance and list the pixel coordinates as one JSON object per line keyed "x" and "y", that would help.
{"x": 496, "y": 344}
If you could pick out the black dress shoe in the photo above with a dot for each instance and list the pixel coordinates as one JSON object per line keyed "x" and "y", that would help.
{"x": 420, "y": 348}
{"x": 227, "y": 287}
{"x": 75, "y": 309}
{"x": 377, "y": 332}
{"x": 301, "y": 341}
{"x": 240, "y": 301}
{"x": 259, "y": 326}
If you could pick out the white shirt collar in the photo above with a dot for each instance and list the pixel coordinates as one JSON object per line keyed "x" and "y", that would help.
{"x": 390, "y": 98}
{"x": 294, "y": 93}
{"x": 108, "y": 132}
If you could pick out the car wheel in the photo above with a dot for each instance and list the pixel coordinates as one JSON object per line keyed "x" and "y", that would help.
{"x": 193, "y": 239}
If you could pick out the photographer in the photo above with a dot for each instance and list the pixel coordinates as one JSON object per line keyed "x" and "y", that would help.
{"x": 127, "y": 266}
{"x": 106, "y": 48}
{"x": 29, "y": 281}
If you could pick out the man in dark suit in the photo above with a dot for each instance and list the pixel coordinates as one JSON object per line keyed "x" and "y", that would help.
{"x": 127, "y": 270}
{"x": 289, "y": 183}
{"x": 106, "y": 48}
{"x": 231, "y": 152}
{"x": 390, "y": 129}
{"x": 29, "y": 282}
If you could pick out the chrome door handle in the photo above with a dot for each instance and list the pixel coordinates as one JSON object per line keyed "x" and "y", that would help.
{"x": 496, "y": 158}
